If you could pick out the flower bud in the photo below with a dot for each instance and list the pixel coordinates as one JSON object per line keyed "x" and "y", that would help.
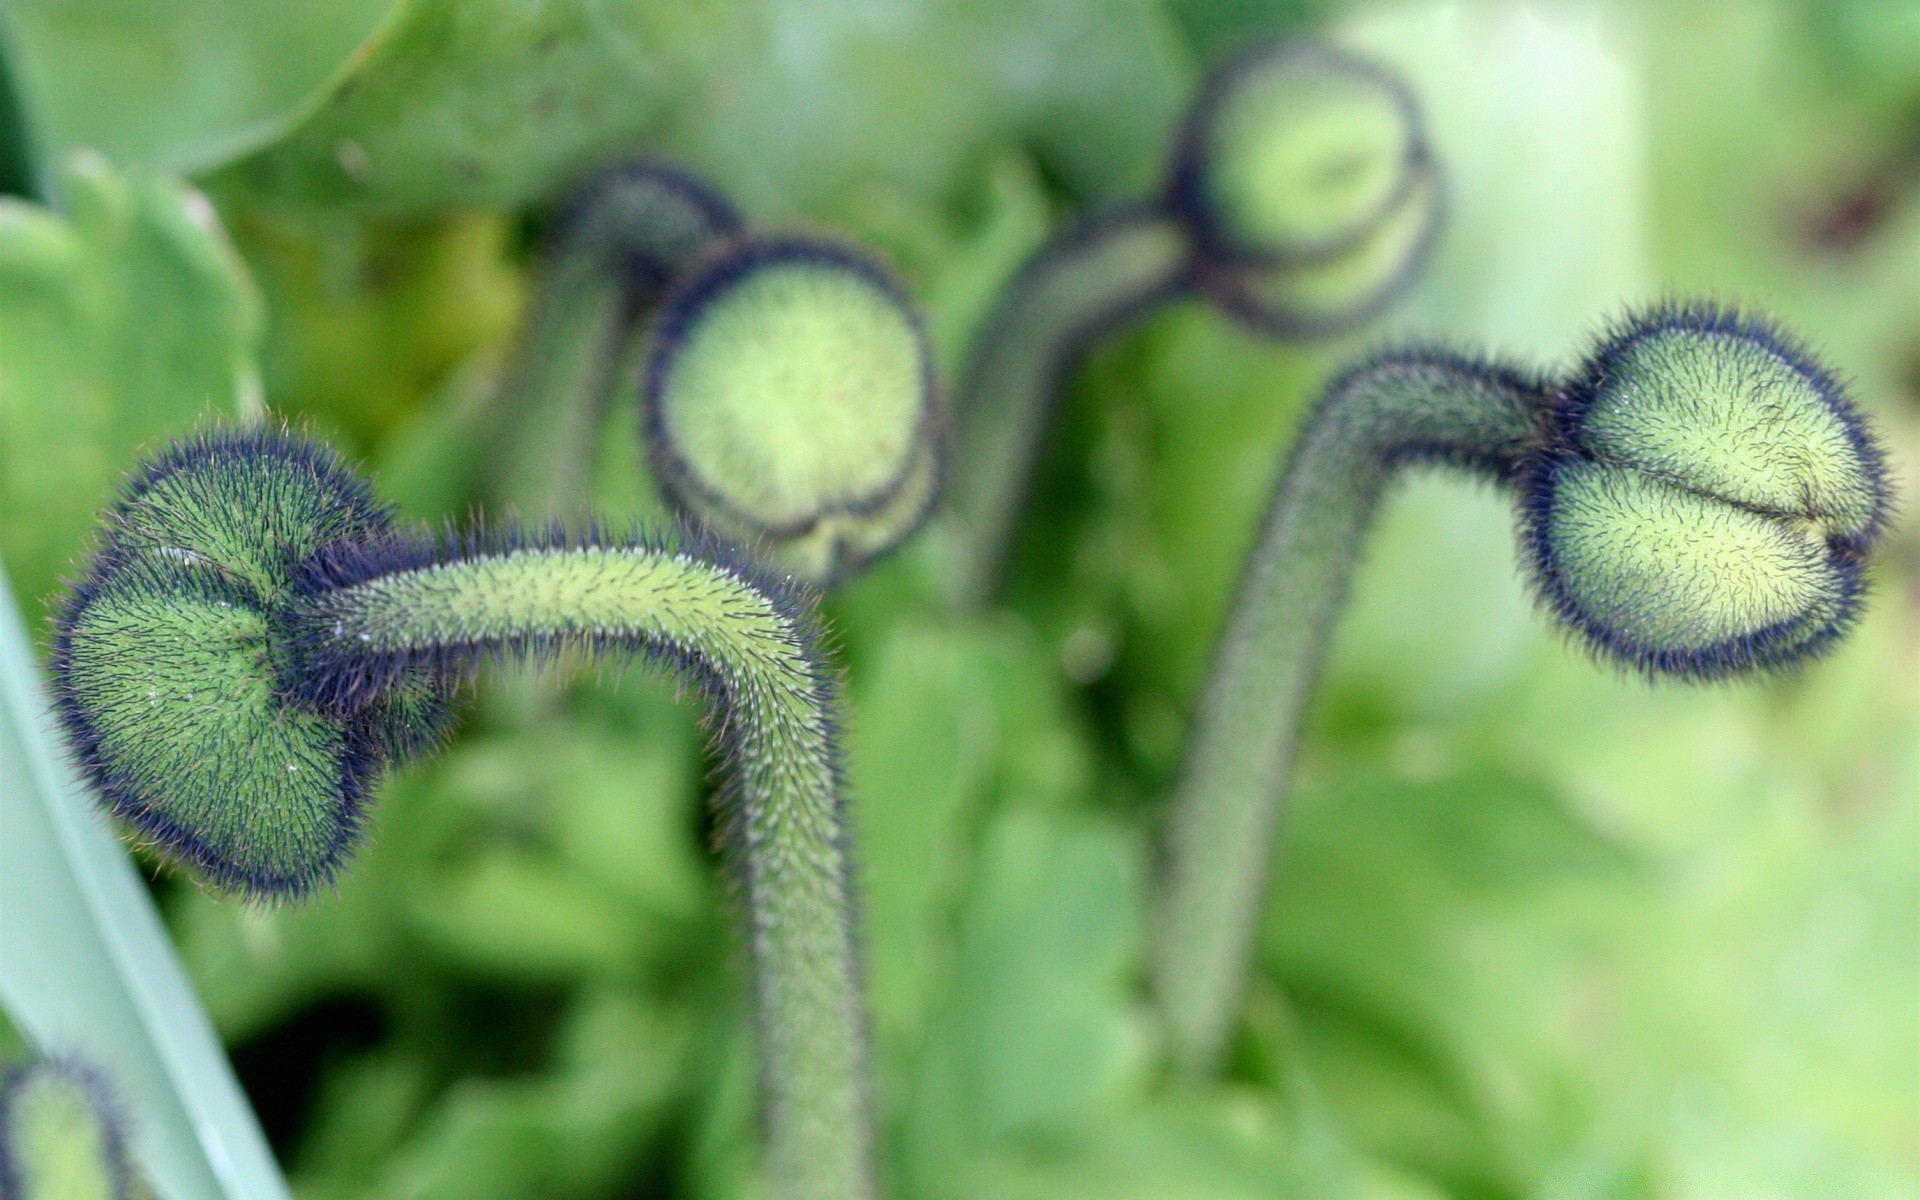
{"x": 1294, "y": 153}
{"x": 171, "y": 665}
{"x": 1706, "y": 500}
{"x": 1322, "y": 298}
{"x": 61, "y": 1135}
{"x": 790, "y": 400}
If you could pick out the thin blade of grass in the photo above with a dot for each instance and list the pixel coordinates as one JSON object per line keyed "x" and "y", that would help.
{"x": 86, "y": 966}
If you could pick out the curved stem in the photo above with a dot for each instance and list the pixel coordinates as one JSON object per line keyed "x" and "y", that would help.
{"x": 380, "y": 614}
{"x": 616, "y": 249}
{"x": 1421, "y": 406}
{"x": 1072, "y": 291}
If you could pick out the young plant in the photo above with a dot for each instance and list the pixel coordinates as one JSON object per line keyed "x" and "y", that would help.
{"x": 1301, "y": 198}
{"x": 62, "y": 1134}
{"x": 620, "y": 241}
{"x": 254, "y": 642}
{"x": 1696, "y": 501}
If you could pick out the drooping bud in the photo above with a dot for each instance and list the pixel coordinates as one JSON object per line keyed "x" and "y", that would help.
{"x": 790, "y": 399}
{"x": 170, "y": 664}
{"x": 1322, "y": 298}
{"x": 1707, "y": 499}
{"x": 62, "y": 1136}
{"x": 1294, "y": 154}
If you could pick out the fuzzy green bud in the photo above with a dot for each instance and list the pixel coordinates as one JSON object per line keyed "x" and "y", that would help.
{"x": 790, "y": 400}
{"x": 61, "y": 1135}
{"x": 1294, "y": 153}
{"x": 1321, "y": 298}
{"x": 171, "y": 665}
{"x": 1706, "y": 501}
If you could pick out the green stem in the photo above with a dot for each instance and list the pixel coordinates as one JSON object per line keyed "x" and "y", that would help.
{"x": 750, "y": 648}
{"x": 1417, "y": 407}
{"x": 617, "y": 248}
{"x": 1073, "y": 291}
{"x": 18, "y": 175}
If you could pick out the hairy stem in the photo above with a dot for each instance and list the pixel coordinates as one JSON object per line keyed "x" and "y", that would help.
{"x": 617, "y": 248}
{"x": 1074, "y": 290}
{"x": 1418, "y": 407}
{"x": 749, "y": 648}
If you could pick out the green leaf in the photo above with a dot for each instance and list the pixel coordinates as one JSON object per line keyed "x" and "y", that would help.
{"x": 89, "y": 966}
{"x": 919, "y": 749}
{"x": 1421, "y": 930}
{"x": 185, "y": 85}
{"x": 792, "y": 106}
{"x": 1042, "y": 1038}
{"x": 123, "y": 319}
{"x": 495, "y": 102}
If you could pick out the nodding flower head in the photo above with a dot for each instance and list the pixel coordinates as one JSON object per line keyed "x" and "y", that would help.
{"x": 790, "y": 399}
{"x": 62, "y": 1135}
{"x": 1305, "y": 180}
{"x": 1294, "y": 153}
{"x": 1706, "y": 498}
{"x": 172, "y": 668}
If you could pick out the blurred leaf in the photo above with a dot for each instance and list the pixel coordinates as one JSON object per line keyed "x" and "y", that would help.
{"x": 1041, "y": 1039}
{"x": 124, "y": 320}
{"x": 920, "y": 747}
{"x": 1413, "y": 926}
{"x": 187, "y": 84}
{"x": 1226, "y": 1147}
{"x": 789, "y": 105}
{"x": 374, "y": 320}
{"x": 495, "y": 102}
{"x": 89, "y": 968}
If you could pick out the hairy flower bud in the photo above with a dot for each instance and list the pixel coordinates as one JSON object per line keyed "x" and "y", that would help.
{"x": 790, "y": 399}
{"x": 1294, "y": 153}
{"x": 62, "y": 1136}
{"x": 171, "y": 663}
{"x": 1706, "y": 498}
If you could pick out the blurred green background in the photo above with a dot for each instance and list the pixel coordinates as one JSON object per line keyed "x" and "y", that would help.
{"x": 1536, "y": 931}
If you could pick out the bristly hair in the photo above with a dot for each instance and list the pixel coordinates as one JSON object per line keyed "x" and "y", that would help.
{"x": 345, "y": 681}
{"x": 1184, "y": 195}
{"x": 1499, "y": 467}
{"x": 342, "y": 679}
{"x": 101, "y": 1098}
{"x": 1708, "y": 316}
{"x": 683, "y": 309}
{"x": 363, "y": 760}
{"x": 368, "y": 740}
{"x": 1782, "y": 646}
{"x": 221, "y": 445}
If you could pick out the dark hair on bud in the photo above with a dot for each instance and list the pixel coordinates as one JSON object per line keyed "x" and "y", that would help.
{"x": 647, "y": 214}
{"x": 1814, "y": 427}
{"x": 218, "y": 523}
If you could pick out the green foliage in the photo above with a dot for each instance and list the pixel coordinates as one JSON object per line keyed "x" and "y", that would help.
{"x": 126, "y": 318}
{"x": 188, "y": 86}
